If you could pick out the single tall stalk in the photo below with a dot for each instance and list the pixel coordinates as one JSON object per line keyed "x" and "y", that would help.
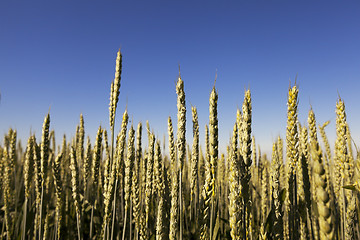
{"x": 7, "y": 193}
{"x": 234, "y": 193}
{"x": 174, "y": 184}
{"x": 276, "y": 164}
{"x": 149, "y": 177}
{"x": 114, "y": 98}
{"x": 129, "y": 163}
{"x": 95, "y": 172}
{"x": 206, "y": 191}
{"x": 213, "y": 147}
{"x": 75, "y": 189}
{"x": 342, "y": 160}
{"x": 115, "y": 172}
{"x": 324, "y": 202}
{"x": 181, "y": 142}
{"x": 58, "y": 193}
{"x": 45, "y": 142}
{"x": 292, "y": 152}
{"x": 194, "y": 167}
{"x": 28, "y": 172}
{"x": 136, "y": 188}
{"x": 246, "y": 161}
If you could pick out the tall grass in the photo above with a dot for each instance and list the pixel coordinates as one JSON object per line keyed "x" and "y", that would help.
{"x": 124, "y": 188}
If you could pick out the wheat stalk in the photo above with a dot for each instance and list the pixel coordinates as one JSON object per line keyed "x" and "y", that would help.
{"x": 245, "y": 151}
{"x": 135, "y": 189}
{"x": 28, "y": 172}
{"x": 276, "y": 202}
{"x": 174, "y": 214}
{"x": 129, "y": 165}
{"x": 149, "y": 177}
{"x": 160, "y": 186}
{"x": 75, "y": 188}
{"x": 322, "y": 188}
{"x": 7, "y": 193}
{"x": 58, "y": 193}
{"x": 235, "y": 203}
{"x": 180, "y": 142}
{"x": 194, "y": 185}
{"x": 213, "y": 149}
{"x": 292, "y": 153}
{"x": 95, "y": 173}
{"x": 115, "y": 89}
{"x": 87, "y": 165}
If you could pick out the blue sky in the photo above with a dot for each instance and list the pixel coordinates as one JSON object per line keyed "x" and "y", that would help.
{"x": 61, "y": 55}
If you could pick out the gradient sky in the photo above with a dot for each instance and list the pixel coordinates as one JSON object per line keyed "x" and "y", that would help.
{"x": 61, "y": 55}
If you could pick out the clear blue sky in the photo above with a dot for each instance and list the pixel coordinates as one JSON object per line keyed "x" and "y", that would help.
{"x": 61, "y": 55}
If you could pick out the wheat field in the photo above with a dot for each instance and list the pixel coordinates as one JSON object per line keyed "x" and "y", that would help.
{"x": 113, "y": 187}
